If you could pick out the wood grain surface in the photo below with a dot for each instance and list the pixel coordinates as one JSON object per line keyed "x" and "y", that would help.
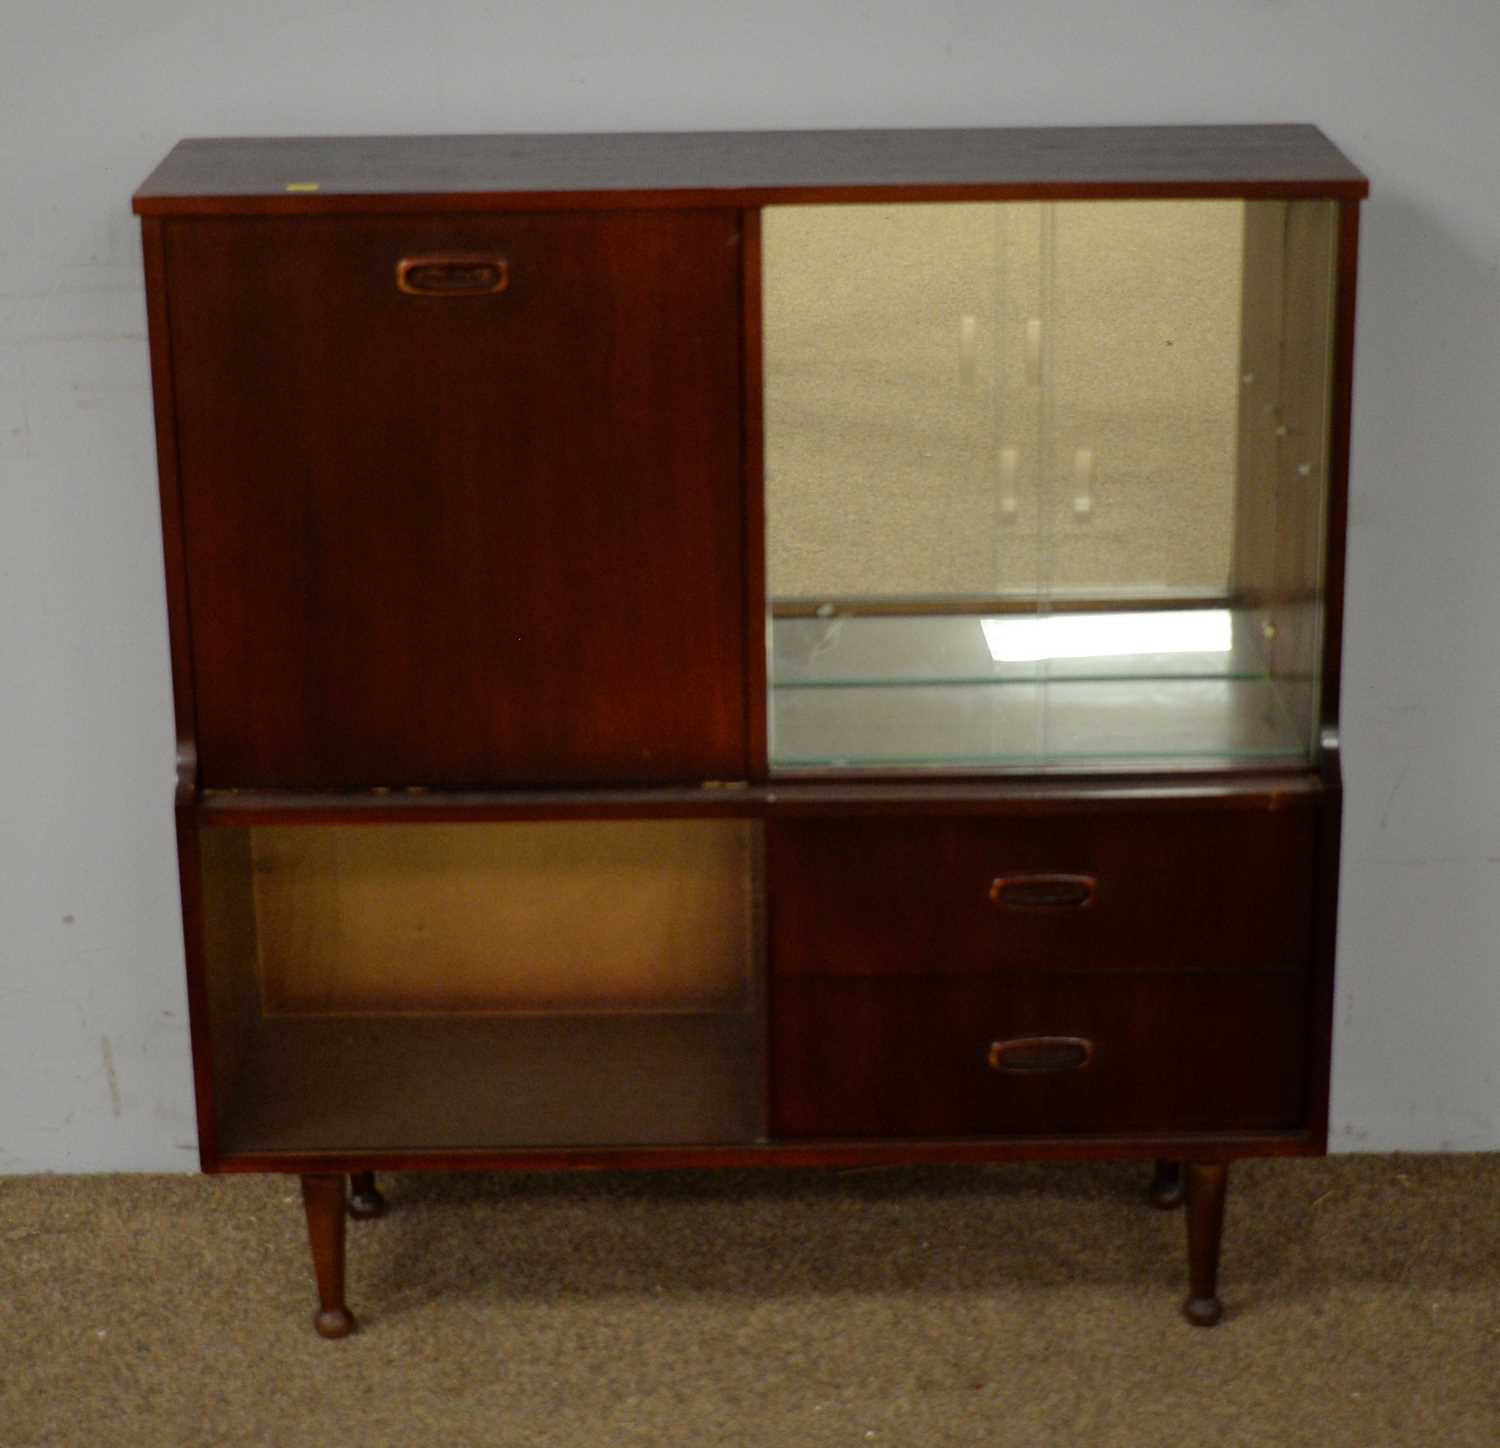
{"x": 341, "y": 173}
{"x": 462, "y": 540}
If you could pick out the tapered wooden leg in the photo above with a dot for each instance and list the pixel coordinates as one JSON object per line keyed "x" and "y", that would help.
{"x": 365, "y": 1200}
{"x": 323, "y": 1196}
{"x": 1206, "y": 1185}
{"x": 1166, "y": 1186}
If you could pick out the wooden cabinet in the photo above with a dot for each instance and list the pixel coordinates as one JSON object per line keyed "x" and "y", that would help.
{"x": 773, "y": 648}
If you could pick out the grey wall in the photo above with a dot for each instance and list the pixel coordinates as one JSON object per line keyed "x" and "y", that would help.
{"x": 93, "y": 1048}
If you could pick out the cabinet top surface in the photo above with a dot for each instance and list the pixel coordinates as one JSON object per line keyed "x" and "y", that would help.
{"x": 334, "y": 173}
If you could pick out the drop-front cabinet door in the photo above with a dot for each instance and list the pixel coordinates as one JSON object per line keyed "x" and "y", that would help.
{"x": 462, "y": 496}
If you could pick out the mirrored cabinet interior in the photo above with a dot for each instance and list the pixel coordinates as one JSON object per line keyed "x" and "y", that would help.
{"x": 810, "y": 649}
{"x": 462, "y": 986}
{"x": 1046, "y": 483}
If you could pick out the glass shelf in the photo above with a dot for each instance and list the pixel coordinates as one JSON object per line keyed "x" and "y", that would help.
{"x": 851, "y": 650}
{"x": 924, "y": 691}
{"x": 349, "y": 1083}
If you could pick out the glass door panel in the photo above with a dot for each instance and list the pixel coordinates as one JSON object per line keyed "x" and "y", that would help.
{"x": 1046, "y": 483}
{"x": 902, "y": 479}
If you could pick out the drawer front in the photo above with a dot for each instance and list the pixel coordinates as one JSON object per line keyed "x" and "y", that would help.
{"x": 462, "y": 496}
{"x": 1067, "y": 1055}
{"x": 1138, "y": 890}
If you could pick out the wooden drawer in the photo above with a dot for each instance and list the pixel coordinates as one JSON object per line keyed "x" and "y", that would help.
{"x": 477, "y": 534}
{"x": 1138, "y": 1055}
{"x": 1138, "y": 889}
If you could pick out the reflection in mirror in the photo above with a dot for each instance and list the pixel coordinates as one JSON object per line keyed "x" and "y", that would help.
{"x": 1108, "y": 635}
{"x": 1033, "y": 422}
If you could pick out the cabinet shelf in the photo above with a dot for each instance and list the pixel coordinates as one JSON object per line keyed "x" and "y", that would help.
{"x": 352, "y": 1084}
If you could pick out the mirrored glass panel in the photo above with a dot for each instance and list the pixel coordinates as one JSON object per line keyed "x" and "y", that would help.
{"x": 1046, "y": 483}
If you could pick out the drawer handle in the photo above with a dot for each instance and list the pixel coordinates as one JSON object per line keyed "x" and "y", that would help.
{"x": 1040, "y": 1055}
{"x": 1044, "y": 892}
{"x": 452, "y": 274}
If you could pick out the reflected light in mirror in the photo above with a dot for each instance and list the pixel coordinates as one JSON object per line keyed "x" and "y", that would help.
{"x": 1108, "y": 635}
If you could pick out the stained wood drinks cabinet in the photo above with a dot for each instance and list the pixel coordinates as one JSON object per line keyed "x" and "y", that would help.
{"x": 813, "y": 649}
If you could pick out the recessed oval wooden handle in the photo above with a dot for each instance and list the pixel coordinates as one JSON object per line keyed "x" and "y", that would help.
{"x": 1044, "y": 891}
{"x": 1040, "y": 1055}
{"x": 452, "y": 274}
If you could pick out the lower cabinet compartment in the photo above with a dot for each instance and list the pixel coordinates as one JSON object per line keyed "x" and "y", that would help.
{"x": 1068, "y": 1053}
{"x": 426, "y": 987}
{"x": 509, "y": 985}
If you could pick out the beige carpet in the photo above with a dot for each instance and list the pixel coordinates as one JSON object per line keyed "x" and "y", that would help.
{"x": 1021, "y": 1305}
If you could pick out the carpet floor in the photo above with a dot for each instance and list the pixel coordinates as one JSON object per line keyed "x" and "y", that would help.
{"x": 1021, "y": 1305}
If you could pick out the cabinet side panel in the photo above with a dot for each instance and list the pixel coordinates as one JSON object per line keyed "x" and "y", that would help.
{"x": 164, "y": 399}
{"x": 456, "y": 539}
{"x": 1325, "y": 942}
{"x": 1340, "y": 418}
{"x": 223, "y": 986}
{"x": 230, "y": 946}
{"x": 190, "y": 884}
